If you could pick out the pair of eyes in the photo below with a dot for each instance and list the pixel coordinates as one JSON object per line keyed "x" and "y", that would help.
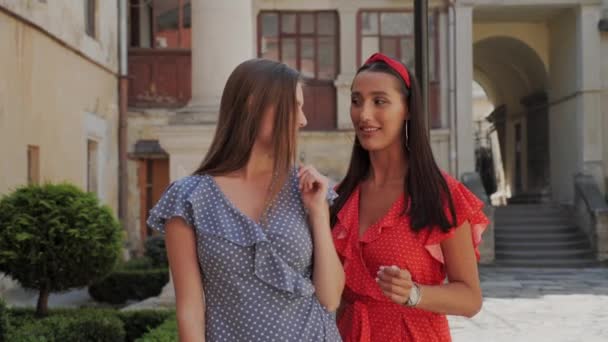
{"x": 379, "y": 101}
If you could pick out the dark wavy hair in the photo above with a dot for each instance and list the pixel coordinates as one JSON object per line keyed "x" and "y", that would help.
{"x": 424, "y": 184}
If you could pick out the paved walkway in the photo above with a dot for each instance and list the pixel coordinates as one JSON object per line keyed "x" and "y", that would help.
{"x": 536, "y": 305}
{"x": 20, "y": 297}
{"x": 539, "y": 305}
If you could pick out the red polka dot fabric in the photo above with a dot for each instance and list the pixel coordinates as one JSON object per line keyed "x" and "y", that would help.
{"x": 367, "y": 315}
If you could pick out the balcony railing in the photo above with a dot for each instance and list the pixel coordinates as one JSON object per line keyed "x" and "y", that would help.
{"x": 159, "y": 78}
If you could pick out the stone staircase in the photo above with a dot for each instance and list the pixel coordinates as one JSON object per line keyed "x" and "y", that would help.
{"x": 540, "y": 235}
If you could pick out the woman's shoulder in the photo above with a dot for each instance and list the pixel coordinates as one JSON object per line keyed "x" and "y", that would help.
{"x": 175, "y": 201}
{"x": 458, "y": 190}
{"x": 450, "y": 180}
{"x": 187, "y": 185}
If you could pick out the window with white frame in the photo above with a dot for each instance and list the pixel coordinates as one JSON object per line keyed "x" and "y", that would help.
{"x": 92, "y": 166}
{"x": 33, "y": 164}
{"x": 94, "y": 154}
{"x": 90, "y": 9}
{"x": 391, "y": 31}
{"x": 306, "y": 41}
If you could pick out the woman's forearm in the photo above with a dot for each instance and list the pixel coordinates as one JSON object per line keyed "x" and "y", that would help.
{"x": 180, "y": 241}
{"x": 328, "y": 274}
{"x": 455, "y": 298}
{"x": 191, "y": 324}
{"x": 462, "y": 295}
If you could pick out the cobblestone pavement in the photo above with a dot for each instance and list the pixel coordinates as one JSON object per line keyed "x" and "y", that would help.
{"x": 538, "y": 305}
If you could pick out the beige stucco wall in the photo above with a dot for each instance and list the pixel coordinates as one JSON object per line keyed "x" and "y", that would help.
{"x": 347, "y": 13}
{"x": 508, "y": 80}
{"x": 567, "y": 53}
{"x": 535, "y": 35}
{"x": 568, "y": 45}
{"x": 53, "y": 98}
{"x": 64, "y": 19}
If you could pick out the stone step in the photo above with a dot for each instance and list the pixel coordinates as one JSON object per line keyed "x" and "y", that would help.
{"x": 527, "y": 228}
{"x": 536, "y": 220}
{"x": 532, "y": 213}
{"x": 533, "y": 207}
{"x": 530, "y": 198}
{"x": 540, "y": 235}
{"x": 565, "y": 263}
{"x": 542, "y": 245}
{"x": 535, "y": 236}
{"x": 545, "y": 254}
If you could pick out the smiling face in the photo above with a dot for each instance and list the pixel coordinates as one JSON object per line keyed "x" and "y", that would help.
{"x": 378, "y": 110}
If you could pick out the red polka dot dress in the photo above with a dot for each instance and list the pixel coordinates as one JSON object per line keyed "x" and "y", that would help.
{"x": 368, "y": 315}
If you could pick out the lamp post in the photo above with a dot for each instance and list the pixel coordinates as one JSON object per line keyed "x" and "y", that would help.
{"x": 421, "y": 48}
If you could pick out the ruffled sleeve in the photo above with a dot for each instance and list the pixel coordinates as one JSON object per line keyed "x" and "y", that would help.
{"x": 468, "y": 208}
{"x": 174, "y": 203}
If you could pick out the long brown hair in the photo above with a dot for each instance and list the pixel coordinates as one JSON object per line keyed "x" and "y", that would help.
{"x": 427, "y": 188}
{"x": 253, "y": 87}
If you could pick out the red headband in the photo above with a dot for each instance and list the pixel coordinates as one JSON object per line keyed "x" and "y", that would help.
{"x": 393, "y": 64}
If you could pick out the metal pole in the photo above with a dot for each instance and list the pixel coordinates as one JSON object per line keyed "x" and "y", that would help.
{"x": 123, "y": 86}
{"x": 421, "y": 48}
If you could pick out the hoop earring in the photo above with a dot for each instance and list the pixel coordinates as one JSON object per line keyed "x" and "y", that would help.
{"x": 407, "y": 134}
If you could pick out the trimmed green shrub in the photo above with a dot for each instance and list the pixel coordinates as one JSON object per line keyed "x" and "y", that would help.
{"x": 25, "y": 326}
{"x": 86, "y": 326}
{"x": 18, "y": 317}
{"x": 140, "y": 322}
{"x": 4, "y": 321}
{"x": 54, "y": 237}
{"x": 123, "y": 285}
{"x": 166, "y": 332}
{"x": 156, "y": 251}
{"x": 137, "y": 264}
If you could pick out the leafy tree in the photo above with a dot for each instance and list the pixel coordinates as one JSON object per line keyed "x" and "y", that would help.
{"x": 54, "y": 237}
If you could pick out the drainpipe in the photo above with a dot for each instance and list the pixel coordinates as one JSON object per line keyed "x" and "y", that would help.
{"x": 122, "y": 111}
{"x": 603, "y": 24}
{"x": 421, "y": 15}
{"x": 452, "y": 98}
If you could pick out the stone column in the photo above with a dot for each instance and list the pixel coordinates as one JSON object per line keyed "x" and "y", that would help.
{"x": 222, "y": 34}
{"x": 465, "y": 154}
{"x": 604, "y": 85}
{"x": 589, "y": 85}
{"x": 348, "y": 63}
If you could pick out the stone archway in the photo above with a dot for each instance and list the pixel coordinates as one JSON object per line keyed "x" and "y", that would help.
{"x": 515, "y": 80}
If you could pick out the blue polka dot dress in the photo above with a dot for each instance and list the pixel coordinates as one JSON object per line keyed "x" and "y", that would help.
{"x": 257, "y": 280}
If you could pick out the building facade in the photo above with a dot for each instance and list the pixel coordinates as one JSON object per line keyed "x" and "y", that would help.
{"x": 59, "y": 95}
{"x": 539, "y": 62}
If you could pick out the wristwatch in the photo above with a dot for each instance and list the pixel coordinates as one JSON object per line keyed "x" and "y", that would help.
{"x": 415, "y": 296}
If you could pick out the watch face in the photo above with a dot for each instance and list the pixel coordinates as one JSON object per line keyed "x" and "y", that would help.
{"x": 414, "y": 296}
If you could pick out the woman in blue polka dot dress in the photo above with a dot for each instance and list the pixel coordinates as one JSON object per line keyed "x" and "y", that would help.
{"x": 248, "y": 235}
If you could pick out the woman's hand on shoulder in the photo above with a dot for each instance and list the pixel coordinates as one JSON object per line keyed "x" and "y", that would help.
{"x": 313, "y": 186}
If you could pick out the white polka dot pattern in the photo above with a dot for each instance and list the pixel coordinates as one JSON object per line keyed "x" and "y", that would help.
{"x": 257, "y": 279}
{"x": 367, "y": 314}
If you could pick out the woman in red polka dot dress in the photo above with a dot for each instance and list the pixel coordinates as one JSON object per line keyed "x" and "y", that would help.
{"x": 400, "y": 225}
